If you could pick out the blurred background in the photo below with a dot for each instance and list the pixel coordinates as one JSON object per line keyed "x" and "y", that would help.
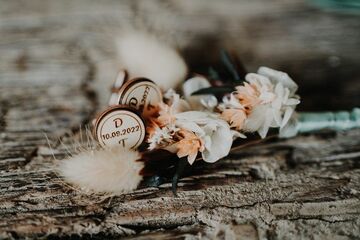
{"x": 72, "y": 43}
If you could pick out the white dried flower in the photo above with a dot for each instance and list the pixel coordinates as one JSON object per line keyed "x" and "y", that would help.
{"x": 214, "y": 132}
{"x": 277, "y": 100}
{"x": 162, "y": 136}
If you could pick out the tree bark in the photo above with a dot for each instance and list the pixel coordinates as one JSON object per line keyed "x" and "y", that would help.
{"x": 58, "y": 60}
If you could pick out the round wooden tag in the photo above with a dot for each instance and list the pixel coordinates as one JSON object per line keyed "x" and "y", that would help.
{"x": 140, "y": 93}
{"x": 120, "y": 126}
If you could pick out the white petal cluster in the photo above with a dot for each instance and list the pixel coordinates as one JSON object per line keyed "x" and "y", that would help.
{"x": 278, "y": 101}
{"x": 162, "y": 136}
{"x": 214, "y": 132}
{"x": 200, "y": 125}
{"x": 199, "y": 102}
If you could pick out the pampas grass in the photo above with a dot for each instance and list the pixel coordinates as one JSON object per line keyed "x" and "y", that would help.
{"x": 112, "y": 170}
{"x": 143, "y": 55}
{"x": 95, "y": 169}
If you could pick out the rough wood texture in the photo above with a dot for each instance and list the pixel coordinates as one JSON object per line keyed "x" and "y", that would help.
{"x": 57, "y": 63}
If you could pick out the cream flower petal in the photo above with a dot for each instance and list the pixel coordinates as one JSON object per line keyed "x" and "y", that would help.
{"x": 290, "y": 129}
{"x": 286, "y": 95}
{"x": 277, "y": 117}
{"x": 221, "y": 141}
{"x": 265, "y": 127}
{"x": 170, "y": 94}
{"x": 292, "y": 101}
{"x": 191, "y": 158}
{"x": 237, "y": 134}
{"x": 209, "y": 102}
{"x": 256, "y": 118}
{"x": 175, "y": 102}
{"x": 208, "y": 142}
{"x": 287, "y": 115}
{"x": 190, "y": 126}
{"x": 257, "y": 79}
{"x": 267, "y": 97}
{"x": 211, "y": 126}
{"x": 278, "y": 76}
{"x": 279, "y": 91}
{"x": 192, "y": 85}
{"x": 230, "y": 102}
{"x": 194, "y": 115}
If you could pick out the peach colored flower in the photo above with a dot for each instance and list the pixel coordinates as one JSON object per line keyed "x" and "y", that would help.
{"x": 235, "y": 117}
{"x": 263, "y": 86}
{"x": 166, "y": 110}
{"x": 277, "y": 101}
{"x": 161, "y": 124}
{"x": 233, "y": 111}
{"x": 177, "y": 103}
{"x": 189, "y": 145}
{"x": 248, "y": 95}
{"x": 166, "y": 115}
{"x": 266, "y": 100}
{"x": 152, "y": 128}
{"x": 213, "y": 131}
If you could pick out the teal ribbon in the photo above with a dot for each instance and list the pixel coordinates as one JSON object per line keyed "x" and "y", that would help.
{"x": 342, "y": 120}
{"x": 309, "y": 122}
{"x": 348, "y": 6}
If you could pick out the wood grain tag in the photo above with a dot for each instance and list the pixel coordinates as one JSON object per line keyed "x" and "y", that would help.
{"x": 141, "y": 94}
{"x": 120, "y": 126}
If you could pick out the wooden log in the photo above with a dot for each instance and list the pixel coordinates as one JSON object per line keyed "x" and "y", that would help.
{"x": 58, "y": 61}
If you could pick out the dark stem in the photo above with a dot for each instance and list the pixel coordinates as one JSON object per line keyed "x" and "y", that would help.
{"x": 180, "y": 167}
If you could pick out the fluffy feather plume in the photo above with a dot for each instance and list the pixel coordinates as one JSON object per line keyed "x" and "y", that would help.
{"x": 112, "y": 170}
{"x": 143, "y": 55}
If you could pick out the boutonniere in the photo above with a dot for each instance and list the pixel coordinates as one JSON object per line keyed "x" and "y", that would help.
{"x": 152, "y": 133}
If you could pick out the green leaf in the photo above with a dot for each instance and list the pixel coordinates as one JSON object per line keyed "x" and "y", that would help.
{"x": 226, "y": 60}
{"x": 214, "y": 90}
{"x": 213, "y": 74}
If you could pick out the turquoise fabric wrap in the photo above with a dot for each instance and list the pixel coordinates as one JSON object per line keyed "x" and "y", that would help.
{"x": 307, "y": 122}
{"x": 341, "y": 120}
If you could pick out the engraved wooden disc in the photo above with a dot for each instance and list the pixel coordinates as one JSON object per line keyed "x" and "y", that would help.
{"x": 120, "y": 126}
{"x": 140, "y": 93}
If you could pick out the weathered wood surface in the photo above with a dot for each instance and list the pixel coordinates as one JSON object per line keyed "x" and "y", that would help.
{"x": 57, "y": 61}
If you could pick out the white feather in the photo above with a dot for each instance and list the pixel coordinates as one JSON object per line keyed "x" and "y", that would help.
{"x": 113, "y": 170}
{"x": 143, "y": 55}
